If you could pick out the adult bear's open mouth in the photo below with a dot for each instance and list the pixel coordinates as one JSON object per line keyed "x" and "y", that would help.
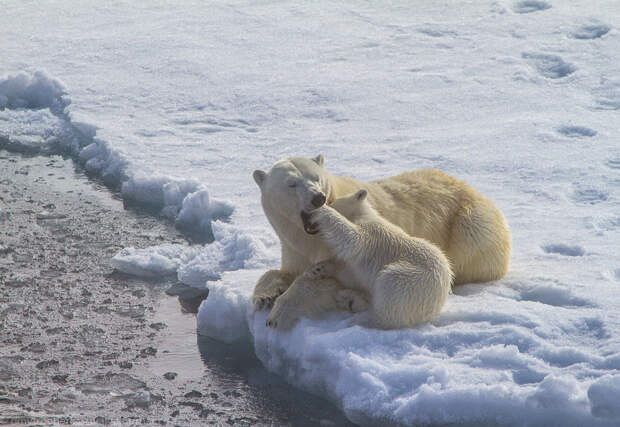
{"x": 309, "y": 227}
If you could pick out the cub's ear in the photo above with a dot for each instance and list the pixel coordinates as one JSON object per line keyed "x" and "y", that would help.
{"x": 319, "y": 160}
{"x": 259, "y": 177}
{"x": 361, "y": 195}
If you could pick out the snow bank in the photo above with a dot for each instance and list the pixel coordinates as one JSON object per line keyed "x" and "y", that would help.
{"x": 185, "y": 201}
{"x": 604, "y": 394}
{"x": 33, "y": 91}
{"x": 224, "y": 314}
{"x": 155, "y": 261}
{"x": 195, "y": 265}
{"x": 34, "y": 119}
{"x": 495, "y": 352}
{"x": 42, "y": 133}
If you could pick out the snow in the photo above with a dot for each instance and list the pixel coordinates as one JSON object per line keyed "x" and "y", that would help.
{"x": 155, "y": 261}
{"x": 32, "y": 91}
{"x": 604, "y": 396}
{"x": 195, "y": 265}
{"x": 176, "y": 105}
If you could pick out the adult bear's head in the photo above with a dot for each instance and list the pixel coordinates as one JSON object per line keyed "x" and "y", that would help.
{"x": 293, "y": 188}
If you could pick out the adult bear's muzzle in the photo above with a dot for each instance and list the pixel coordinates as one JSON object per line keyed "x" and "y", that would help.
{"x": 309, "y": 226}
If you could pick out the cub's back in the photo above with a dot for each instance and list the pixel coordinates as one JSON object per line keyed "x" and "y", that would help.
{"x": 386, "y": 243}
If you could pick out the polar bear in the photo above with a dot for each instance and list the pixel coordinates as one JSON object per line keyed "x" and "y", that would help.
{"x": 470, "y": 230}
{"x": 406, "y": 278}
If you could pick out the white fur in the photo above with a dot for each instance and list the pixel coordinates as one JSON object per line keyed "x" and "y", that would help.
{"x": 408, "y": 279}
{"x": 429, "y": 204}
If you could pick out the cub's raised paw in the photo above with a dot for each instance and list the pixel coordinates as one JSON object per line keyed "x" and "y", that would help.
{"x": 350, "y": 300}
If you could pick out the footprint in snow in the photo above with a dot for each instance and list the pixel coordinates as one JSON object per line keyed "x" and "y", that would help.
{"x": 433, "y": 32}
{"x": 576, "y": 131}
{"x": 613, "y": 163}
{"x": 589, "y": 32}
{"x": 529, "y": 6}
{"x": 550, "y": 66}
{"x": 555, "y": 296}
{"x": 590, "y": 196}
{"x": 563, "y": 249}
{"x": 608, "y": 95}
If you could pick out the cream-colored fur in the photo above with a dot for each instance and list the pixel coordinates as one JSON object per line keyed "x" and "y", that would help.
{"x": 313, "y": 294}
{"x": 406, "y": 278}
{"x": 469, "y": 228}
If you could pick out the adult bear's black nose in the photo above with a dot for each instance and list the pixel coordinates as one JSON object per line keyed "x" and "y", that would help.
{"x": 318, "y": 200}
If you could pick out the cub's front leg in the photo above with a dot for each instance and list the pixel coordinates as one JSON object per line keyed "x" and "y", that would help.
{"x": 338, "y": 233}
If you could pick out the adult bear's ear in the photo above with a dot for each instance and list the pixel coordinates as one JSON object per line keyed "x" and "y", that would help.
{"x": 319, "y": 160}
{"x": 361, "y": 195}
{"x": 259, "y": 177}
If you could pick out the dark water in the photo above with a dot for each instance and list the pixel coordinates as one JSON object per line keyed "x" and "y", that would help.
{"x": 231, "y": 384}
{"x": 236, "y": 373}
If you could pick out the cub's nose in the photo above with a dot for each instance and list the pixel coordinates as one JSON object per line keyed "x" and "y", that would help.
{"x": 318, "y": 200}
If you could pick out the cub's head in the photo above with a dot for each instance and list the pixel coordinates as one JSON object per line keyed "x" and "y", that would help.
{"x": 354, "y": 207}
{"x": 293, "y": 188}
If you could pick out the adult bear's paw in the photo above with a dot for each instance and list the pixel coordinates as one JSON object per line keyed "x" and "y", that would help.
{"x": 284, "y": 314}
{"x": 270, "y": 286}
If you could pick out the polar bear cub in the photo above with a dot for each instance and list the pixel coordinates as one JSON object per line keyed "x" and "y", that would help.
{"x": 407, "y": 278}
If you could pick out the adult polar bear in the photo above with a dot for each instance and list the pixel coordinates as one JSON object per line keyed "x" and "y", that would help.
{"x": 469, "y": 228}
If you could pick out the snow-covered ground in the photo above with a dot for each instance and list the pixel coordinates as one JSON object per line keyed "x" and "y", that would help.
{"x": 179, "y": 103}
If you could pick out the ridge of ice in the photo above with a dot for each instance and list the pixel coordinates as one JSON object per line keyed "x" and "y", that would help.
{"x": 34, "y": 118}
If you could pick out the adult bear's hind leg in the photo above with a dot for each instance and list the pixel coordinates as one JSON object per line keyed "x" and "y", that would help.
{"x": 480, "y": 244}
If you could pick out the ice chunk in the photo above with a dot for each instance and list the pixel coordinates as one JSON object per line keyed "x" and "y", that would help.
{"x": 185, "y": 200}
{"x": 459, "y": 368}
{"x": 145, "y": 190}
{"x": 604, "y": 395}
{"x": 35, "y": 91}
{"x": 31, "y": 131}
{"x": 195, "y": 265}
{"x": 224, "y": 314}
{"x": 197, "y": 212}
{"x": 89, "y": 152}
{"x": 153, "y": 262}
{"x": 556, "y": 392}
